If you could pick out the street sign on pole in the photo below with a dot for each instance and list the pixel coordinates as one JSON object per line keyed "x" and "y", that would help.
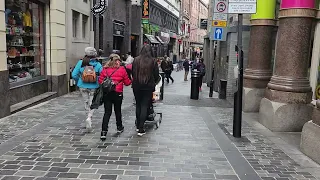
{"x": 220, "y": 6}
{"x": 242, "y": 6}
{"x": 219, "y": 23}
{"x": 218, "y": 34}
{"x": 220, "y": 16}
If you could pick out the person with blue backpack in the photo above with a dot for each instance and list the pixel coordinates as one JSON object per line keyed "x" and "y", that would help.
{"x": 86, "y": 73}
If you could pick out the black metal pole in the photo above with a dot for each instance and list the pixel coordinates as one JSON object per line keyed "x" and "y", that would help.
{"x": 211, "y": 83}
{"x": 162, "y": 87}
{"x": 238, "y": 111}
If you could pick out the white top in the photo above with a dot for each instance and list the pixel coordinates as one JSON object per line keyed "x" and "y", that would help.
{"x": 129, "y": 60}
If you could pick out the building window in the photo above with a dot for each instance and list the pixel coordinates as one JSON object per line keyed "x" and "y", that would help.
{"x": 86, "y": 1}
{"x": 75, "y": 23}
{"x": 25, "y": 41}
{"x": 84, "y": 26}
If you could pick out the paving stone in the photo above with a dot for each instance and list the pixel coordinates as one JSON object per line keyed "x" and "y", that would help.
{"x": 110, "y": 177}
{"x": 83, "y": 170}
{"x": 11, "y": 178}
{"x": 89, "y": 176}
{"x": 68, "y": 175}
{"x": 30, "y": 173}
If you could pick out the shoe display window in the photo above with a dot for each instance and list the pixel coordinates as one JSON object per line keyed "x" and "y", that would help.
{"x": 25, "y": 40}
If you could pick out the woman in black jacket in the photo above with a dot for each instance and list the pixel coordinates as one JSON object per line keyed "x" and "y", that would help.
{"x": 145, "y": 73}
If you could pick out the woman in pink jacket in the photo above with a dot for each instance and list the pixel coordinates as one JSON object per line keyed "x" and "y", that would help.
{"x": 119, "y": 76}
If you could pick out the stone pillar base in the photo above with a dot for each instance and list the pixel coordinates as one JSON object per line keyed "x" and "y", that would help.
{"x": 4, "y": 94}
{"x": 310, "y": 143}
{"x": 252, "y": 98}
{"x": 58, "y": 84}
{"x": 283, "y": 117}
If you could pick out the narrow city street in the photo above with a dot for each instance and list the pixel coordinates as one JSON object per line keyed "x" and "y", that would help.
{"x": 194, "y": 141}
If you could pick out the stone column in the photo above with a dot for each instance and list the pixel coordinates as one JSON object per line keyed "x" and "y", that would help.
{"x": 56, "y": 53}
{"x": 258, "y": 72}
{"x": 286, "y": 106}
{"x": 4, "y": 73}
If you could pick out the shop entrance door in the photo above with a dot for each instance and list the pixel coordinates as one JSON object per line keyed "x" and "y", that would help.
{"x": 134, "y": 45}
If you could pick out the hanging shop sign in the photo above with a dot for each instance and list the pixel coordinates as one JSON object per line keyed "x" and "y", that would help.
{"x": 118, "y": 29}
{"x": 100, "y": 7}
{"x": 145, "y": 11}
{"x": 203, "y": 23}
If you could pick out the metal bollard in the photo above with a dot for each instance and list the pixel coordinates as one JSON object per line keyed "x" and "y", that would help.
{"x": 162, "y": 87}
{"x": 195, "y": 85}
{"x": 211, "y": 88}
{"x": 223, "y": 89}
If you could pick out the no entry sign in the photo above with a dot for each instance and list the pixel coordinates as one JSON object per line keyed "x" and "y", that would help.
{"x": 221, "y": 6}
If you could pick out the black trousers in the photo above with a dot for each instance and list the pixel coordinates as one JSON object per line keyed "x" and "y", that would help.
{"x": 115, "y": 99}
{"x": 201, "y": 81}
{"x": 168, "y": 76}
{"x": 143, "y": 103}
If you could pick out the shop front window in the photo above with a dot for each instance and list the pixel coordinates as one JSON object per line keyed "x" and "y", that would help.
{"x": 25, "y": 40}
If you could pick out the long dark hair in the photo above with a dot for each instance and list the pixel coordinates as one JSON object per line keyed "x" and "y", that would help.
{"x": 86, "y": 60}
{"x": 143, "y": 65}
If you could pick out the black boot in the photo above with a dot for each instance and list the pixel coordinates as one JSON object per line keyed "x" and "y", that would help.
{"x": 103, "y": 136}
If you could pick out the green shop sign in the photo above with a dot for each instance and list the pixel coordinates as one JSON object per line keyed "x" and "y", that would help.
{"x": 150, "y": 28}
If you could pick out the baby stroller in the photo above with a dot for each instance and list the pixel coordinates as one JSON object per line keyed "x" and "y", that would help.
{"x": 153, "y": 116}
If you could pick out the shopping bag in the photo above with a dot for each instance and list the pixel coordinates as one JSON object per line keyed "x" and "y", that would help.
{"x": 97, "y": 98}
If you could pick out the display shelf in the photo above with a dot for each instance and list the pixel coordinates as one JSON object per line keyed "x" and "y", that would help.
{"x": 23, "y": 66}
{"x": 13, "y": 57}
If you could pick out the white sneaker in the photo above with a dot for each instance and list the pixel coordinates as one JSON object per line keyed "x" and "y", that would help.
{"x": 88, "y": 124}
{"x": 86, "y": 106}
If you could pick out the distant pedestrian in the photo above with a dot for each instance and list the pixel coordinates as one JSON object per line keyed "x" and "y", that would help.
{"x": 86, "y": 74}
{"x": 186, "y": 65}
{"x": 201, "y": 67}
{"x": 129, "y": 59}
{"x": 145, "y": 73}
{"x": 119, "y": 77}
{"x": 167, "y": 68}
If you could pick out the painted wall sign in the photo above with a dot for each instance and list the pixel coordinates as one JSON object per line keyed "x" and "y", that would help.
{"x": 100, "y": 7}
{"x": 145, "y": 11}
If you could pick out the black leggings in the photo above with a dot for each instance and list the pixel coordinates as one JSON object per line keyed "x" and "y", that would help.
{"x": 143, "y": 103}
{"x": 168, "y": 76}
{"x": 113, "y": 98}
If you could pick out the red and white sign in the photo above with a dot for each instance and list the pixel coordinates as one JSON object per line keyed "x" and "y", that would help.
{"x": 221, "y": 6}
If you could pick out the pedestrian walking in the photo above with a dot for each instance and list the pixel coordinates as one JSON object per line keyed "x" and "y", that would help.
{"x": 186, "y": 65}
{"x": 201, "y": 67}
{"x": 167, "y": 68}
{"x": 145, "y": 73}
{"x": 119, "y": 77}
{"x": 86, "y": 74}
{"x": 129, "y": 59}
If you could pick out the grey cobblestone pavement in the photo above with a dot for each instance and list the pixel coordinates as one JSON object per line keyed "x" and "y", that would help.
{"x": 49, "y": 142}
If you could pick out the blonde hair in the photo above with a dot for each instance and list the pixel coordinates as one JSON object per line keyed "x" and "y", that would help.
{"x": 112, "y": 62}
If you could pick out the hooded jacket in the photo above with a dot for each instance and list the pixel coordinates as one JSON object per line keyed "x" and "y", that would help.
{"x": 119, "y": 77}
{"x": 78, "y": 70}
